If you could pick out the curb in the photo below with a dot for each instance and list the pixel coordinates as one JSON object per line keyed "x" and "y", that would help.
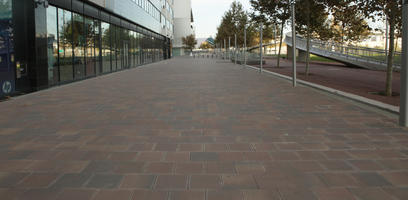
{"x": 360, "y": 99}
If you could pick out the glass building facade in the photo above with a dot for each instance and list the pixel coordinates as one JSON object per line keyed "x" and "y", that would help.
{"x": 73, "y": 40}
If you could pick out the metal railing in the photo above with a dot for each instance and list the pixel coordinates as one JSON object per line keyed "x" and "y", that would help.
{"x": 350, "y": 53}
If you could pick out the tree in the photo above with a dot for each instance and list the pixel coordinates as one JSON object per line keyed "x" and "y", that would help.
{"x": 276, "y": 10}
{"x": 392, "y": 10}
{"x": 205, "y": 45}
{"x": 268, "y": 29}
{"x": 311, "y": 17}
{"x": 189, "y": 42}
{"x": 348, "y": 22}
{"x": 234, "y": 22}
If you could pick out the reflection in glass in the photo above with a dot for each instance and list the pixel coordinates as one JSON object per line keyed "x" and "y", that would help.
{"x": 113, "y": 47}
{"x": 138, "y": 49}
{"x": 80, "y": 46}
{"x": 52, "y": 37}
{"x": 65, "y": 45}
{"x": 79, "y": 43}
{"x": 125, "y": 48}
{"x": 90, "y": 52}
{"x": 106, "y": 47}
{"x": 97, "y": 39}
{"x": 118, "y": 48}
{"x": 134, "y": 63}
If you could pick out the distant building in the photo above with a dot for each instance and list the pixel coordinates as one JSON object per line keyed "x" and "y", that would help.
{"x": 183, "y": 25}
{"x": 376, "y": 40}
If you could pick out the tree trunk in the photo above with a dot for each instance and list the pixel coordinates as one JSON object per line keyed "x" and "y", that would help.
{"x": 307, "y": 53}
{"x": 281, "y": 36}
{"x": 388, "y": 84}
{"x": 280, "y": 44}
{"x": 308, "y": 42}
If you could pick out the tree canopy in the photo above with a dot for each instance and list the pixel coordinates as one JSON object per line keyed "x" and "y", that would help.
{"x": 189, "y": 42}
{"x": 234, "y": 22}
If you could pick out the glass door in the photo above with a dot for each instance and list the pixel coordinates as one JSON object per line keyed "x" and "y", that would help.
{"x": 126, "y": 54}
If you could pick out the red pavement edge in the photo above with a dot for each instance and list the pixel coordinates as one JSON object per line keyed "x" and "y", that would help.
{"x": 364, "y": 100}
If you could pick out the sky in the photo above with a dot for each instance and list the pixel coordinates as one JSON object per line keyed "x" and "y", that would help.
{"x": 208, "y": 15}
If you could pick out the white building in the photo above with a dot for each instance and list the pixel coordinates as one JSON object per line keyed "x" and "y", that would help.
{"x": 156, "y": 15}
{"x": 183, "y": 24}
{"x": 377, "y": 40}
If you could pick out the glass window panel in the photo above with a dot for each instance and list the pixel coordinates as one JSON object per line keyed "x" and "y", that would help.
{"x": 132, "y": 49}
{"x": 52, "y": 37}
{"x": 79, "y": 43}
{"x": 137, "y": 49}
{"x": 90, "y": 51}
{"x": 113, "y": 46}
{"x": 125, "y": 47}
{"x": 118, "y": 48}
{"x": 106, "y": 47}
{"x": 97, "y": 38}
{"x": 65, "y": 45}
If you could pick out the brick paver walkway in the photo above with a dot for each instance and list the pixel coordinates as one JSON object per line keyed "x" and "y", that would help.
{"x": 197, "y": 130}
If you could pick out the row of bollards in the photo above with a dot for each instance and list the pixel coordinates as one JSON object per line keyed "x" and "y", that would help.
{"x": 205, "y": 55}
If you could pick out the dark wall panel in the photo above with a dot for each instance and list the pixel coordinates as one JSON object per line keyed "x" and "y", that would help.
{"x": 91, "y": 11}
{"x": 115, "y": 20}
{"x": 104, "y": 16}
{"x": 24, "y": 46}
{"x": 66, "y": 4}
{"x": 78, "y": 6}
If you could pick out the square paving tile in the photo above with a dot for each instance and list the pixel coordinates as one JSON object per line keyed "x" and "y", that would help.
{"x": 188, "y": 195}
{"x": 38, "y": 180}
{"x": 113, "y": 194}
{"x": 149, "y": 195}
{"x": 239, "y": 182}
{"x": 371, "y": 179}
{"x": 171, "y": 182}
{"x": 77, "y": 194}
{"x": 137, "y": 181}
{"x": 72, "y": 180}
{"x": 204, "y": 156}
{"x": 104, "y": 181}
{"x": 205, "y": 182}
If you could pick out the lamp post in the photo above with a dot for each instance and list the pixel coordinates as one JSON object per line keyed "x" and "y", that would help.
{"x": 225, "y": 47}
{"x": 404, "y": 71}
{"x": 245, "y": 46}
{"x": 386, "y": 39}
{"x": 235, "y": 49}
{"x": 229, "y": 48}
{"x": 293, "y": 2}
{"x": 261, "y": 47}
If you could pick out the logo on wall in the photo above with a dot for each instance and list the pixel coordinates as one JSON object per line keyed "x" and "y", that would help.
{"x": 6, "y": 87}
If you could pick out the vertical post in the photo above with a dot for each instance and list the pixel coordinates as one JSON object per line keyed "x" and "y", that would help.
{"x": 275, "y": 39}
{"x": 229, "y": 48}
{"x": 386, "y": 39}
{"x": 225, "y": 48}
{"x": 293, "y": 43}
{"x": 261, "y": 48}
{"x": 404, "y": 71}
{"x": 245, "y": 46}
{"x": 235, "y": 49}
